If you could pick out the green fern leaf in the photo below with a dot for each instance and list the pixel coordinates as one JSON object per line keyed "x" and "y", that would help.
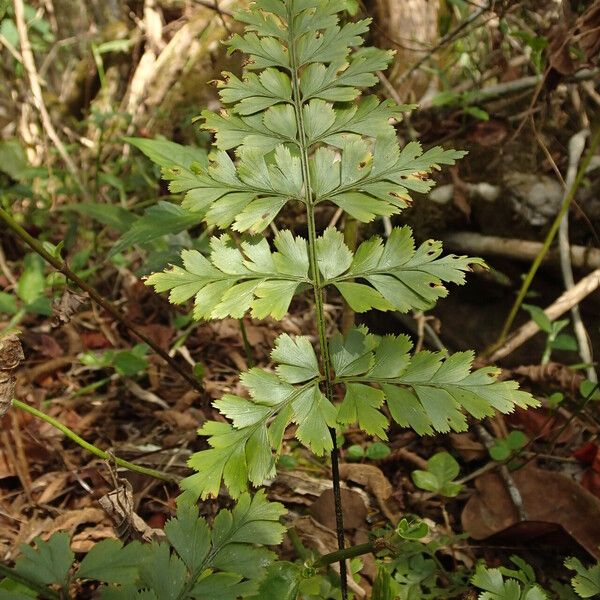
{"x": 111, "y": 562}
{"x": 376, "y": 181}
{"x": 586, "y": 582}
{"x": 401, "y": 276}
{"x": 232, "y": 281}
{"x": 341, "y": 81}
{"x": 48, "y": 563}
{"x": 427, "y": 392}
{"x": 497, "y": 588}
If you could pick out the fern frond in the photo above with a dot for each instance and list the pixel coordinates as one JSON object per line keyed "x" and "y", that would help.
{"x": 427, "y": 391}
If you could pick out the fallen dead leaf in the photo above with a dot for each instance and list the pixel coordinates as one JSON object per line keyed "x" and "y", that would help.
{"x": 370, "y": 476}
{"x": 467, "y": 445}
{"x": 118, "y": 505}
{"x": 11, "y": 356}
{"x": 66, "y": 307}
{"x": 548, "y": 497}
{"x": 376, "y": 482}
{"x": 323, "y": 540}
{"x": 353, "y": 505}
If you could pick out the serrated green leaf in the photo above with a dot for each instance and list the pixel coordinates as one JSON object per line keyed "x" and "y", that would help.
{"x": 296, "y": 358}
{"x": 282, "y": 582}
{"x": 314, "y": 415}
{"x": 48, "y": 563}
{"x": 247, "y": 450}
{"x": 263, "y": 52}
{"x": 341, "y": 82}
{"x": 234, "y": 280}
{"x": 586, "y": 582}
{"x": 376, "y": 181}
{"x": 189, "y": 535}
{"x": 333, "y": 256}
{"x": 111, "y": 562}
{"x": 402, "y": 277}
{"x": 427, "y": 392}
{"x": 255, "y": 93}
{"x": 163, "y": 573}
{"x": 360, "y": 405}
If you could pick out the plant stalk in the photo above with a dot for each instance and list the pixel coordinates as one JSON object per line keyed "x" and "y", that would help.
{"x": 345, "y": 554}
{"x": 318, "y": 297}
{"x": 90, "y": 447}
{"x": 61, "y": 266}
{"x": 549, "y": 238}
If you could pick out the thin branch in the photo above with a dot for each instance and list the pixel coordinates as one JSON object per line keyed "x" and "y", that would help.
{"x": 61, "y": 266}
{"x": 36, "y": 91}
{"x": 90, "y": 447}
{"x": 576, "y": 147}
{"x": 521, "y": 250}
{"x": 214, "y": 6}
{"x": 449, "y": 37}
{"x": 511, "y": 486}
{"x": 565, "y": 302}
{"x": 549, "y": 238}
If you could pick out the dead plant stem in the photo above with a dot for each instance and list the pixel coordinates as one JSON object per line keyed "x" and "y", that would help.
{"x": 90, "y": 447}
{"x": 61, "y": 266}
{"x": 549, "y": 238}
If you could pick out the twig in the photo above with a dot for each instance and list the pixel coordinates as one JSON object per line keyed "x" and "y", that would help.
{"x": 90, "y": 447}
{"x": 451, "y": 35}
{"x": 522, "y": 250}
{"x": 565, "y": 302}
{"x": 246, "y": 342}
{"x": 511, "y": 486}
{"x": 549, "y": 237}
{"x": 61, "y": 266}
{"x": 494, "y": 92}
{"x": 346, "y": 553}
{"x": 214, "y": 6}
{"x": 36, "y": 90}
{"x": 576, "y": 147}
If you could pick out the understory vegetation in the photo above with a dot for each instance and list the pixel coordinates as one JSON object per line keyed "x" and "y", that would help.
{"x": 226, "y": 369}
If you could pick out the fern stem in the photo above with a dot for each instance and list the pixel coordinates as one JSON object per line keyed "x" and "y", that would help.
{"x": 41, "y": 590}
{"x": 345, "y": 554}
{"x": 90, "y": 447}
{"x": 246, "y": 342}
{"x": 318, "y": 294}
{"x": 61, "y": 266}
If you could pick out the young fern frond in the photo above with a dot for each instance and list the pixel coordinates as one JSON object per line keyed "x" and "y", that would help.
{"x": 301, "y": 132}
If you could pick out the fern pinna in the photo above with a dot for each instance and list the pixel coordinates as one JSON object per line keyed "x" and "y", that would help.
{"x": 297, "y": 128}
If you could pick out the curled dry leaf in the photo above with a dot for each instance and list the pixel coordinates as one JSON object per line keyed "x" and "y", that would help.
{"x": 66, "y": 307}
{"x": 467, "y": 445}
{"x": 118, "y": 505}
{"x": 375, "y": 481}
{"x": 548, "y": 497}
{"x": 354, "y": 509}
{"x": 11, "y": 356}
